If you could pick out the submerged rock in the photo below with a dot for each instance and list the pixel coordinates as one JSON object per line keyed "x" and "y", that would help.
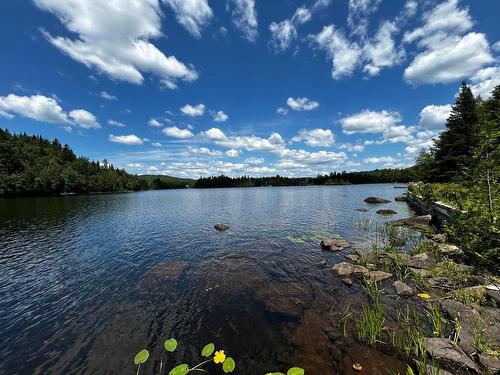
{"x": 376, "y": 200}
{"x": 402, "y": 289}
{"x": 345, "y": 269}
{"x": 288, "y": 299}
{"x": 221, "y": 227}
{"x": 444, "y": 350}
{"x": 379, "y": 275}
{"x": 362, "y": 209}
{"x": 347, "y": 281}
{"x": 162, "y": 276}
{"x": 387, "y": 211}
{"x": 337, "y": 244}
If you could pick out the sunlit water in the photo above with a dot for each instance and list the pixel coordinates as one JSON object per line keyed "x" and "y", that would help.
{"x": 87, "y": 281}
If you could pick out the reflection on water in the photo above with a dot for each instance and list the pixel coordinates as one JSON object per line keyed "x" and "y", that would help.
{"x": 87, "y": 281}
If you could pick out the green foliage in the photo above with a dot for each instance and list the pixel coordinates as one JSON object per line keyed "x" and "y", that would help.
{"x": 170, "y": 345}
{"x": 295, "y": 371}
{"x": 141, "y": 357}
{"x": 473, "y": 296}
{"x": 370, "y": 323}
{"x": 425, "y": 247}
{"x": 182, "y": 369}
{"x": 459, "y": 274}
{"x": 208, "y": 350}
{"x": 229, "y": 365}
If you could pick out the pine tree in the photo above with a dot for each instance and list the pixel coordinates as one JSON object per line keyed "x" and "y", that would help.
{"x": 453, "y": 150}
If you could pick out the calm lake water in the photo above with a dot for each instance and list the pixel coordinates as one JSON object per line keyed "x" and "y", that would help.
{"x": 87, "y": 281}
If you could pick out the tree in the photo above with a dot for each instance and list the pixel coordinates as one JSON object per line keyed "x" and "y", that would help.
{"x": 453, "y": 150}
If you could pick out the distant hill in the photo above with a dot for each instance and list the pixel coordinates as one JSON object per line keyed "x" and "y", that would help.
{"x": 166, "y": 182}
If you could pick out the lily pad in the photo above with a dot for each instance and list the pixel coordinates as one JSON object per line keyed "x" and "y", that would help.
{"x": 296, "y": 371}
{"x": 170, "y": 345}
{"x": 228, "y": 365}
{"x": 141, "y": 357}
{"x": 208, "y": 350}
{"x": 179, "y": 370}
{"x": 296, "y": 240}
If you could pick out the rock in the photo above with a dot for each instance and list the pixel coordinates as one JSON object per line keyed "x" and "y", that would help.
{"x": 402, "y": 289}
{"x": 444, "y": 350}
{"x": 439, "y": 238}
{"x": 352, "y": 257}
{"x": 284, "y": 298}
{"x": 376, "y": 200}
{"x": 450, "y": 251}
{"x": 347, "y": 281}
{"x": 397, "y": 241}
{"x": 431, "y": 370}
{"x": 441, "y": 283}
{"x": 371, "y": 266}
{"x": 490, "y": 363}
{"x": 414, "y": 221}
{"x": 323, "y": 263}
{"x": 362, "y": 209}
{"x": 386, "y": 212}
{"x": 400, "y": 198}
{"x": 337, "y": 244}
{"x": 379, "y": 275}
{"x": 494, "y": 295}
{"x": 422, "y": 261}
{"x": 421, "y": 272}
{"x": 345, "y": 269}
{"x": 162, "y": 276}
{"x": 221, "y": 227}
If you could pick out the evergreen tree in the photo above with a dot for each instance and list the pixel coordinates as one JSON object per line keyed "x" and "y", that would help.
{"x": 454, "y": 148}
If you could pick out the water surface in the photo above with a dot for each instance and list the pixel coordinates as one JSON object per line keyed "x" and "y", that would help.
{"x": 87, "y": 281}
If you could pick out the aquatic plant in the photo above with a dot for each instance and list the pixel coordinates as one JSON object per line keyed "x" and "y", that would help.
{"x": 291, "y": 371}
{"x": 295, "y": 240}
{"x": 370, "y": 323}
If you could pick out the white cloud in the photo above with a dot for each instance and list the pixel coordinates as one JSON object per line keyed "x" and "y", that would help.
{"x": 232, "y": 153}
{"x": 205, "y": 151}
{"x": 315, "y": 137}
{"x": 193, "y": 110}
{"x": 496, "y": 46}
{"x": 369, "y": 122}
{"x": 249, "y": 143}
{"x": 219, "y": 116}
{"x": 352, "y": 148}
{"x": 306, "y": 157}
{"x": 131, "y": 139}
{"x": 282, "y": 34}
{"x": 113, "y": 38}
{"x": 214, "y": 134}
{"x": 116, "y": 123}
{"x": 485, "y": 80}
{"x": 359, "y": 10}
{"x": 344, "y": 54}
{"x": 135, "y": 165}
{"x": 156, "y": 144}
{"x": 84, "y": 119}
{"x": 192, "y": 14}
{"x": 434, "y": 116}
{"x": 282, "y": 111}
{"x": 254, "y": 160}
{"x": 245, "y": 18}
{"x": 154, "y": 123}
{"x": 175, "y": 132}
{"x": 45, "y": 109}
{"x": 107, "y": 96}
{"x": 382, "y": 159}
{"x": 302, "y": 104}
{"x": 447, "y": 54}
{"x": 382, "y": 51}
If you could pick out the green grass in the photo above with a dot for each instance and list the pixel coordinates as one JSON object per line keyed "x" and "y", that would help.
{"x": 472, "y": 297}
{"x": 457, "y": 273}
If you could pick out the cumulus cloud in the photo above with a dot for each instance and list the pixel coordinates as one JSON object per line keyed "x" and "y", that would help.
{"x": 369, "y": 122}
{"x": 485, "y": 80}
{"x": 107, "y": 96}
{"x": 130, "y": 139}
{"x": 116, "y": 123}
{"x": 248, "y": 143}
{"x": 434, "y": 116}
{"x": 254, "y": 160}
{"x": 302, "y": 104}
{"x": 192, "y": 14}
{"x": 45, "y": 109}
{"x": 315, "y": 137}
{"x": 154, "y": 123}
{"x": 232, "y": 153}
{"x": 359, "y": 11}
{"x": 282, "y": 111}
{"x": 447, "y": 54}
{"x": 382, "y": 159}
{"x": 205, "y": 151}
{"x": 381, "y": 52}
{"x": 113, "y": 38}
{"x": 175, "y": 132}
{"x": 244, "y": 18}
{"x": 345, "y": 55}
{"x": 219, "y": 116}
{"x": 193, "y": 110}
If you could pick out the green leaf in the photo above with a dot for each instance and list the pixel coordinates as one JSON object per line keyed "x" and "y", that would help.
{"x": 228, "y": 365}
{"x": 170, "y": 345}
{"x": 208, "y": 350}
{"x": 295, "y": 371}
{"x": 179, "y": 370}
{"x": 275, "y": 373}
{"x": 141, "y": 357}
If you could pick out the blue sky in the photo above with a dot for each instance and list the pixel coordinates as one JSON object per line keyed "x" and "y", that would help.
{"x": 205, "y": 87}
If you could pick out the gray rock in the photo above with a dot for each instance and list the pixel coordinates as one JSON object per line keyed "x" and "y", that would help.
{"x": 376, "y": 200}
{"x": 446, "y": 351}
{"x": 379, "y": 275}
{"x": 347, "y": 281}
{"x": 337, "y": 244}
{"x": 386, "y": 211}
{"x": 439, "y": 238}
{"x": 221, "y": 227}
{"x": 422, "y": 261}
{"x": 400, "y": 198}
{"x": 322, "y": 263}
{"x": 421, "y": 272}
{"x": 450, "y": 251}
{"x": 431, "y": 370}
{"x": 362, "y": 209}
{"x": 494, "y": 294}
{"x": 490, "y": 363}
{"x": 352, "y": 257}
{"x": 441, "y": 283}
{"x": 414, "y": 221}
{"x": 345, "y": 269}
{"x": 371, "y": 266}
{"x": 402, "y": 289}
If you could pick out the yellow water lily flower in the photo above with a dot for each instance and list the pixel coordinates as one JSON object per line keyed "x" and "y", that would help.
{"x": 424, "y": 295}
{"x": 219, "y": 356}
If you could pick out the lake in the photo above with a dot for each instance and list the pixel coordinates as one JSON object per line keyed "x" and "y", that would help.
{"x": 88, "y": 281}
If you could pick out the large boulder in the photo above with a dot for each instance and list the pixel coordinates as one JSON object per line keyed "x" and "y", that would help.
{"x": 221, "y": 227}
{"x": 402, "y": 289}
{"x": 445, "y": 351}
{"x": 422, "y": 261}
{"x": 414, "y": 221}
{"x": 376, "y": 200}
{"x": 379, "y": 275}
{"x": 337, "y": 244}
{"x": 345, "y": 269}
{"x": 450, "y": 251}
{"x": 490, "y": 363}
